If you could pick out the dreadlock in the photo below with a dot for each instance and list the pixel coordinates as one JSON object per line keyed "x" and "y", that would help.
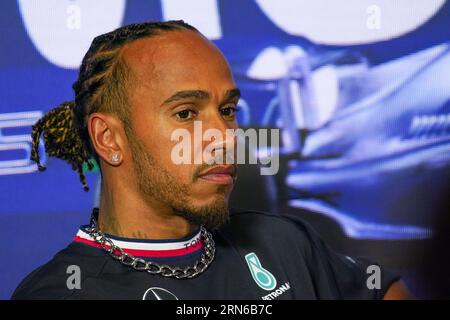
{"x": 100, "y": 88}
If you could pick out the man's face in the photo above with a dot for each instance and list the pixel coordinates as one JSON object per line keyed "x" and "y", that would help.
{"x": 177, "y": 78}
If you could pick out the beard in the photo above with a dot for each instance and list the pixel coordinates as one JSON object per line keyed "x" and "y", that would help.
{"x": 155, "y": 182}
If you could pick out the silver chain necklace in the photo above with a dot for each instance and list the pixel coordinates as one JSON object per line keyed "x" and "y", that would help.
{"x": 153, "y": 268}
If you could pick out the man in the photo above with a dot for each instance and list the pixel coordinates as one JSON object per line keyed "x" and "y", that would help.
{"x": 164, "y": 230}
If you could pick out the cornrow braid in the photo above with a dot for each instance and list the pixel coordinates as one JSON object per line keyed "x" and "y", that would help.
{"x": 100, "y": 87}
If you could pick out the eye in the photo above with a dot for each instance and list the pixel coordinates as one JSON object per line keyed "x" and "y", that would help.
{"x": 185, "y": 114}
{"x": 229, "y": 111}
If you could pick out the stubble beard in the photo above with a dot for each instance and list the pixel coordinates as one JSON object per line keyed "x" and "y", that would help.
{"x": 156, "y": 183}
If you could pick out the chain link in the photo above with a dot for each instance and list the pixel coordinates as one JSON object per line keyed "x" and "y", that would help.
{"x": 153, "y": 268}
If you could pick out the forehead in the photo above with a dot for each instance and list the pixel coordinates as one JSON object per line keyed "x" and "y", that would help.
{"x": 177, "y": 60}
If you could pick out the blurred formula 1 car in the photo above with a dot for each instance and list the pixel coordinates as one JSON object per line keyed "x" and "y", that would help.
{"x": 365, "y": 143}
{"x": 366, "y": 146}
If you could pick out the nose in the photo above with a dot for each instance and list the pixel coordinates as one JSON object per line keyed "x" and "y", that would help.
{"x": 219, "y": 140}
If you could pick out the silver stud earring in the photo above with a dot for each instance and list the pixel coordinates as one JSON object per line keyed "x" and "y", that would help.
{"x": 115, "y": 158}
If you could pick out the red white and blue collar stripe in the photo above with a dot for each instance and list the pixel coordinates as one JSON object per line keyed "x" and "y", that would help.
{"x": 148, "y": 248}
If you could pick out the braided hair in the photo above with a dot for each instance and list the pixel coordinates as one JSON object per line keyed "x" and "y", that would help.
{"x": 100, "y": 88}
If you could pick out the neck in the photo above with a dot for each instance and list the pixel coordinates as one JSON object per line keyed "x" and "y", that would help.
{"x": 123, "y": 212}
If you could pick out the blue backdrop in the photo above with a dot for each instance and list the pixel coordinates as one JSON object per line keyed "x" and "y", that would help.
{"x": 359, "y": 88}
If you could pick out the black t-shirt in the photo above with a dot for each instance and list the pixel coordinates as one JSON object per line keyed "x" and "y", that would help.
{"x": 258, "y": 256}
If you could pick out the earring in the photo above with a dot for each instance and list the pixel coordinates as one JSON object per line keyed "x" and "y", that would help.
{"x": 115, "y": 158}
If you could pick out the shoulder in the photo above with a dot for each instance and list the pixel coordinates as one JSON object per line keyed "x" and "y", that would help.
{"x": 267, "y": 221}
{"x": 269, "y": 227}
{"x": 49, "y": 281}
{"x": 289, "y": 238}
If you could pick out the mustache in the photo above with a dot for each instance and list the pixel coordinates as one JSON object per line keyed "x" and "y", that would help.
{"x": 215, "y": 162}
{"x": 220, "y": 157}
{"x": 205, "y": 167}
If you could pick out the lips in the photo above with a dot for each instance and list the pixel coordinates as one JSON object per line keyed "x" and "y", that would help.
{"x": 225, "y": 174}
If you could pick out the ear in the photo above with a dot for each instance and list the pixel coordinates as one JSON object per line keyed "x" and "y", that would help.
{"x": 107, "y": 137}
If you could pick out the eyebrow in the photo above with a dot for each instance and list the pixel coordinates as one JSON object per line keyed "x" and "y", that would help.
{"x": 196, "y": 94}
{"x": 231, "y": 94}
{"x": 201, "y": 95}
